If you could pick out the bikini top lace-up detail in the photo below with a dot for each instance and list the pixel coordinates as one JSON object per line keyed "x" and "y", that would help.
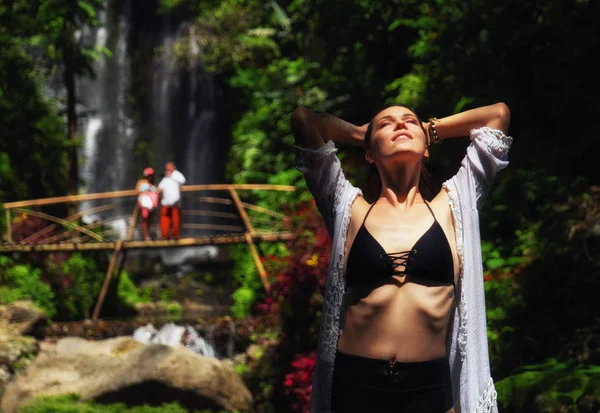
{"x": 430, "y": 258}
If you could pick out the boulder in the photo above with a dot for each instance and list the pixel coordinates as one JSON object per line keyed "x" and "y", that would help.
{"x": 20, "y": 317}
{"x": 13, "y": 347}
{"x": 124, "y": 370}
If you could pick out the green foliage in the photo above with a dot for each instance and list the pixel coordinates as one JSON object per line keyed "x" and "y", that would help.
{"x": 60, "y": 20}
{"x": 233, "y": 34}
{"x": 67, "y": 288}
{"x": 73, "y": 404}
{"x": 22, "y": 282}
{"x": 505, "y": 307}
{"x": 166, "y": 294}
{"x": 78, "y": 284}
{"x": 174, "y": 309}
{"x": 241, "y": 369}
{"x": 262, "y": 138}
{"x": 407, "y": 89}
{"x": 35, "y": 37}
{"x": 552, "y": 386}
{"x": 531, "y": 252}
{"x": 129, "y": 293}
{"x": 28, "y": 121}
{"x": 243, "y": 298}
{"x": 247, "y": 280}
{"x": 248, "y": 51}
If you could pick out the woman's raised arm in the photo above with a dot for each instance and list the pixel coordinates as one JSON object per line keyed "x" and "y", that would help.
{"x": 496, "y": 116}
{"x": 486, "y": 156}
{"x": 312, "y": 129}
{"x": 316, "y": 134}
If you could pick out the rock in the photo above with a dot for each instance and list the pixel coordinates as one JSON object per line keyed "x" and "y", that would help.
{"x": 13, "y": 347}
{"x": 194, "y": 310}
{"x": 20, "y": 317}
{"x": 4, "y": 378}
{"x": 154, "y": 309}
{"x": 124, "y": 370}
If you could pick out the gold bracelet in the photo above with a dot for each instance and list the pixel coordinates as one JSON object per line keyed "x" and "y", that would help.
{"x": 433, "y": 135}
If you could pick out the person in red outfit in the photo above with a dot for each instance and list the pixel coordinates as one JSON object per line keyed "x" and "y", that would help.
{"x": 170, "y": 214}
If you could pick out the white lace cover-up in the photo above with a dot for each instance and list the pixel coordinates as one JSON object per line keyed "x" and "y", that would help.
{"x": 472, "y": 384}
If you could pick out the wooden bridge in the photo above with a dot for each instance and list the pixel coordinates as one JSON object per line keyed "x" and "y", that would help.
{"x": 210, "y": 214}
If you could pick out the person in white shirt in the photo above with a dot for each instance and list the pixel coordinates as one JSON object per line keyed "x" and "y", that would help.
{"x": 170, "y": 188}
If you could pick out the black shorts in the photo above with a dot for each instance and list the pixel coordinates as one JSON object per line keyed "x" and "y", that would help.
{"x": 366, "y": 385}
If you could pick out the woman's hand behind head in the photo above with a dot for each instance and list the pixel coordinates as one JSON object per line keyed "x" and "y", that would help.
{"x": 362, "y": 131}
{"x": 425, "y": 126}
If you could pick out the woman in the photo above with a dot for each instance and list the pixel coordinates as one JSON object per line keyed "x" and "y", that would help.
{"x": 147, "y": 194}
{"x": 392, "y": 338}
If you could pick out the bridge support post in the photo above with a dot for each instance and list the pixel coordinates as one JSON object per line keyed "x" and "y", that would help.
{"x": 107, "y": 277}
{"x": 8, "y": 226}
{"x": 249, "y": 238}
{"x": 111, "y": 265}
{"x": 259, "y": 265}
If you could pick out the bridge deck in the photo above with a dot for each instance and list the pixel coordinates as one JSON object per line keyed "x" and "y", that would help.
{"x": 139, "y": 244}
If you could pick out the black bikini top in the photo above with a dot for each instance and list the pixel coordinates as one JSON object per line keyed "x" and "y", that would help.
{"x": 430, "y": 258}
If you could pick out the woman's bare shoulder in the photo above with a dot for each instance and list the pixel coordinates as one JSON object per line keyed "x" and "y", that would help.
{"x": 359, "y": 205}
{"x": 359, "y": 209}
{"x": 441, "y": 197}
{"x": 441, "y": 206}
{"x": 357, "y": 212}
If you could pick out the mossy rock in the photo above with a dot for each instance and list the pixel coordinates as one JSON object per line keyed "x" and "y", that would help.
{"x": 121, "y": 370}
{"x": 13, "y": 348}
{"x": 72, "y": 404}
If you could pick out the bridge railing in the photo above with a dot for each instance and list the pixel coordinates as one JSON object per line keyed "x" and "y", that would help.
{"x": 211, "y": 215}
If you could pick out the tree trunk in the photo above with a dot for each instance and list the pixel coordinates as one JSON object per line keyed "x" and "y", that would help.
{"x": 73, "y": 164}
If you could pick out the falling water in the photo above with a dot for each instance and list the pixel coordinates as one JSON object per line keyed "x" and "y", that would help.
{"x": 109, "y": 131}
{"x": 174, "y": 335}
{"x": 144, "y": 108}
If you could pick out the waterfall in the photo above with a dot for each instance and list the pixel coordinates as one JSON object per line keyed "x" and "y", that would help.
{"x": 174, "y": 335}
{"x": 144, "y": 108}
{"x": 109, "y": 138}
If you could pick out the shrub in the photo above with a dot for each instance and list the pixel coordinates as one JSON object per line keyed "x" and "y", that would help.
{"x": 76, "y": 282}
{"x": 246, "y": 278}
{"x": 298, "y": 383}
{"x": 23, "y": 282}
{"x": 297, "y": 293}
{"x": 552, "y": 386}
{"x": 67, "y": 289}
{"x": 243, "y": 298}
{"x": 296, "y": 299}
{"x": 129, "y": 293}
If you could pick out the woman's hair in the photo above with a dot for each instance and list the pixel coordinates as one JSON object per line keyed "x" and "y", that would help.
{"x": 374, "y": 185}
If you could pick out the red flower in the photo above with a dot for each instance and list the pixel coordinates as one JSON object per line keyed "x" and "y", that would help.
{"x": 298, "y": 383}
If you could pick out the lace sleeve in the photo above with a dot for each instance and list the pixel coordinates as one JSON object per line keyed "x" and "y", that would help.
{"x": 486, "y": 156}
{"x": 324, "y": 178}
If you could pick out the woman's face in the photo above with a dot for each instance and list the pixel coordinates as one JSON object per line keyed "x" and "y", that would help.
{"x": 397, "y": 133}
